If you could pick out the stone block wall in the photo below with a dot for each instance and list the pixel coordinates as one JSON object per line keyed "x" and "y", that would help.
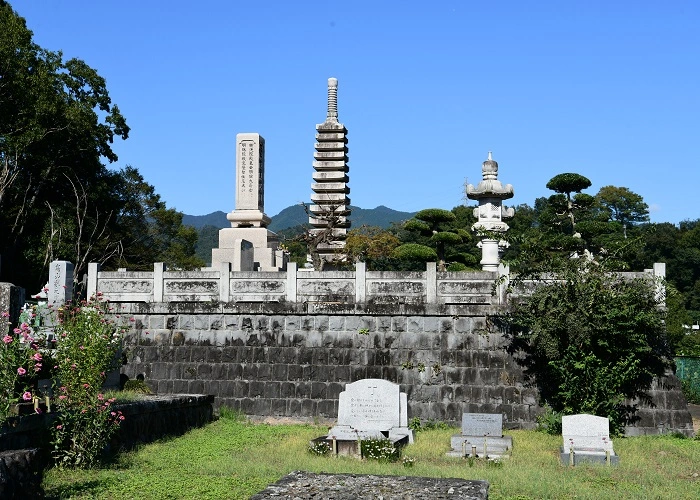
{"x": 266, "y": 363}
{"x": 276, "y": 361}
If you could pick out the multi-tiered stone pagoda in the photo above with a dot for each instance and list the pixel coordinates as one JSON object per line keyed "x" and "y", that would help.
{"x": 331, "y": 205}
{"x": 490, "y": 213}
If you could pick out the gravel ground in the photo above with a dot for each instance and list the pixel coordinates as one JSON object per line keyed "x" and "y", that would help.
{"x": 306, "y": 485}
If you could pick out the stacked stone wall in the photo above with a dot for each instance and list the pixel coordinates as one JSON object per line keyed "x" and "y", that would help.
{"x": 270, "y": 362}
{"x": 296, "y": 365}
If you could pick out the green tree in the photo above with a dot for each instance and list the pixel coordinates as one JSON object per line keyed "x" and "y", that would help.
{"x": 590, "y": 339}
{"x": 564, "y": 185}
{"x": 435, "y": 224}
{"x": 624, "y": 206}
{"x": 56, "y": 124}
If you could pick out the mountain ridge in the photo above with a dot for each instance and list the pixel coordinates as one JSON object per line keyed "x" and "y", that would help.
{"x": 295, "y": 215}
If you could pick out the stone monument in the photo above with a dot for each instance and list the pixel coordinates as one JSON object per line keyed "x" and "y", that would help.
{"x": 248, "y": 220}
{"x": 482, "y": 437}
{"x": 331, "y": 205}
{"x": 369, "y": 409}
{"x": 490, "y": 214}
{"x": 586, "y": 440}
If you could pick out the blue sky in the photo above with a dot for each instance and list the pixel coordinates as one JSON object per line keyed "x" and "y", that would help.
{"x": 607, "y": 89}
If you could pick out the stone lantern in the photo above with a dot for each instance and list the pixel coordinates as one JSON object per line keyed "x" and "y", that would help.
{"x": 490, "y": 213}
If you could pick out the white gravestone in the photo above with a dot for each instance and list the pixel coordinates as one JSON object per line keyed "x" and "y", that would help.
{"x": 589, "y": 438}
{"x": 370, "y": 404}
{"x": 370, "y": 409}
{"x": 60, "y": 283}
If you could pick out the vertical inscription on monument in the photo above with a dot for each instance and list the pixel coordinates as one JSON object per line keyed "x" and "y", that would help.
{"x": 250, "y": 165}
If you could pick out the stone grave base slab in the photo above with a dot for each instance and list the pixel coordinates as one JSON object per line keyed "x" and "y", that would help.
{"x": 304, "y": 485}
{"x": 588, "y": 457}
{"x": 496, "y": 447}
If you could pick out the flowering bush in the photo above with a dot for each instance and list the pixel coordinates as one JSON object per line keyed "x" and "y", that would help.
{"x": 381, "y": 450}
{"x": 20, "y": 361}
{"x": 88, "y": 343}
{"x": 319, "y": 448}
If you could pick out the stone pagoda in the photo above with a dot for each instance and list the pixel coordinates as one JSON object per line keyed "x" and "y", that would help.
{"x": 248, "y": 245}
{"x": 490, "y": 213}
{"x": 330, "y": 203}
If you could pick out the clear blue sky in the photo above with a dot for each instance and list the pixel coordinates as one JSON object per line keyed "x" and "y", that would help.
{"x": 607, "y": 89}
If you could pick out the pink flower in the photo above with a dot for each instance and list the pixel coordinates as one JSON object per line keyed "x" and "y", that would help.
{"x": 37, "y": 367}
{"x": 21, "y": 371}
{"x": 37, "y": 356}
{"x": 73, "y": 366}
{"x": 62, "y": 397}
{"x": 63, "y": 388}
{"x": 59, "y": 427}
{"x": 86, "y": 386}
{"x": 7, "y": 339}
{"x": 5, "y": 314}
{"x": 27, "y": 396}
{"x": 17, "y": 330}
{"x": 82, "y": 348}
{"x": 121, "y": 417}
{"x": 100, "y": 397}
{"x": 112, "y": 413}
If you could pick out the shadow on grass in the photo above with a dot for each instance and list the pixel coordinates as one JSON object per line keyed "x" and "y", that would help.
{"x": 75, "y": 489}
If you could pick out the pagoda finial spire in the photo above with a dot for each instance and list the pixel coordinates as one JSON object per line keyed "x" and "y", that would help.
{"x": 332, "y": 100}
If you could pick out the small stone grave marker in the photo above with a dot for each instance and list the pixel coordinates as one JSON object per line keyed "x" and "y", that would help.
{"x": 482, "y": 436}
{"x": 482, "y": 424}
{"x": 586, "y": 438}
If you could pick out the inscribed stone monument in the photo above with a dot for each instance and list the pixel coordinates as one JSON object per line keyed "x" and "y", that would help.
{"x": 370, "y": 409}
{"x": 248, "y": 220}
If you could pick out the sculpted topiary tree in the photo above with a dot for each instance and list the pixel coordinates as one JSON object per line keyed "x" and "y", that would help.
{"x": 433, "y": 223}
{"x": 564, "y": 185}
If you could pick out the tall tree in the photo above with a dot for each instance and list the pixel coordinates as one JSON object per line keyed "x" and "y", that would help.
{"x": 57, "y": 122}
{"x": 623, "y": 206}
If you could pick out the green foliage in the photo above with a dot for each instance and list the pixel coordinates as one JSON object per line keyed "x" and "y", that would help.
{"x": 57, "y": 198}
{"x": 417, "y": 425}
{"x": 590, "y": 340}
{"x": 456, "y": 266}
{"x": 381, "y": 450}
{"x": 434, "y": 216}
{"x": 438, "y": 226}
{"x": 549, "y": 422}
{"x": 88, "y": 342}
{"x": 414, "y": 251}
{"x": 137, "y": 386}
{"x": 691, "y": 391}
{"x": 568, "y": 183}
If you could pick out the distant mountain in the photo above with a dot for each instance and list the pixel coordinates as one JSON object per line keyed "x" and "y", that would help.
{"x": 295, "y": 215}
{"x": 217, "y": 219}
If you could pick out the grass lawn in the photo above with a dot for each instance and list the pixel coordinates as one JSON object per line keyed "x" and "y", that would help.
{"x": 232, "y": 459}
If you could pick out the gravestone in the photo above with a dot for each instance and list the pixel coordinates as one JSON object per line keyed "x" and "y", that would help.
{"x": 481, "y": 436}
{"x": 369, "y": 409}
{"x": 59, "y": 288}
{"x": 586, "y": 439}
